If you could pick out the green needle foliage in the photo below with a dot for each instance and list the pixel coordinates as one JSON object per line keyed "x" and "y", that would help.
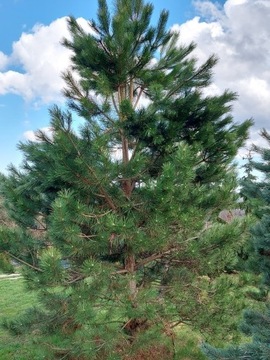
{"x": 255, "y": 324}
{"x": 117, "y": 219}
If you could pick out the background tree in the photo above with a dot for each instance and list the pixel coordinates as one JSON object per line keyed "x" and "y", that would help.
{"x": 255, "y": 323}
{"x": 119, "y": 227}
{"x": 5, "y": 263}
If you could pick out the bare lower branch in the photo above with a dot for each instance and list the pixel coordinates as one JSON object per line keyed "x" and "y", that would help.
{"x": 23, "y": 262}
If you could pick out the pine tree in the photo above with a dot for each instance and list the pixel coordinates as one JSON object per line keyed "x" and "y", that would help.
{"x": 118, "y": 225}
{"x": 255, "y": 324}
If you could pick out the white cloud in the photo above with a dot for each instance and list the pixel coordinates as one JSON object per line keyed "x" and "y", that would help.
{"x": 3, "y": 60}
{"x": 42, "y": 59}
{"x": 255, "y": 139}
{"x": 239, "y": 34}
{"x": 32, "y": 135}
{"x": 16, "y": 83}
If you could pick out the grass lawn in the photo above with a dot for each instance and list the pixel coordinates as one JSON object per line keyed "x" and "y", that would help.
{"x": 14, "y": 299}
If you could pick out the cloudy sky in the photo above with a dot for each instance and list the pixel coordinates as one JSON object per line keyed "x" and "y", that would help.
{"x": 32, "y": 59}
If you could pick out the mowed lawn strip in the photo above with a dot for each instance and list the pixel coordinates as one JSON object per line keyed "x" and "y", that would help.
{"x": 14, "y": 299}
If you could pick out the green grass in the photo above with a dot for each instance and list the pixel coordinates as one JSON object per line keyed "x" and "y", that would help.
{"x": 189, "y": 345}
{"x": 14, "y": 299}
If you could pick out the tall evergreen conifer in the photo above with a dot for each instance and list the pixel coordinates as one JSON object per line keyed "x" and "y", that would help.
{"x": 255, "y": 324}
{"x": 117, "y": 222}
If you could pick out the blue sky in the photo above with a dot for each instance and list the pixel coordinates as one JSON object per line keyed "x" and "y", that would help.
{"x": 31, "y": 59}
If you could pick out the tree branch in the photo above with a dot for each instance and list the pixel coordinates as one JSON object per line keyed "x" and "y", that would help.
{"x": 23, "y": 262}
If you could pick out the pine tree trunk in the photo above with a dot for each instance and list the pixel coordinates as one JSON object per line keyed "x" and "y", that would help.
{"x": 130, "y": 267}
{"x": 126, "y": 92}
